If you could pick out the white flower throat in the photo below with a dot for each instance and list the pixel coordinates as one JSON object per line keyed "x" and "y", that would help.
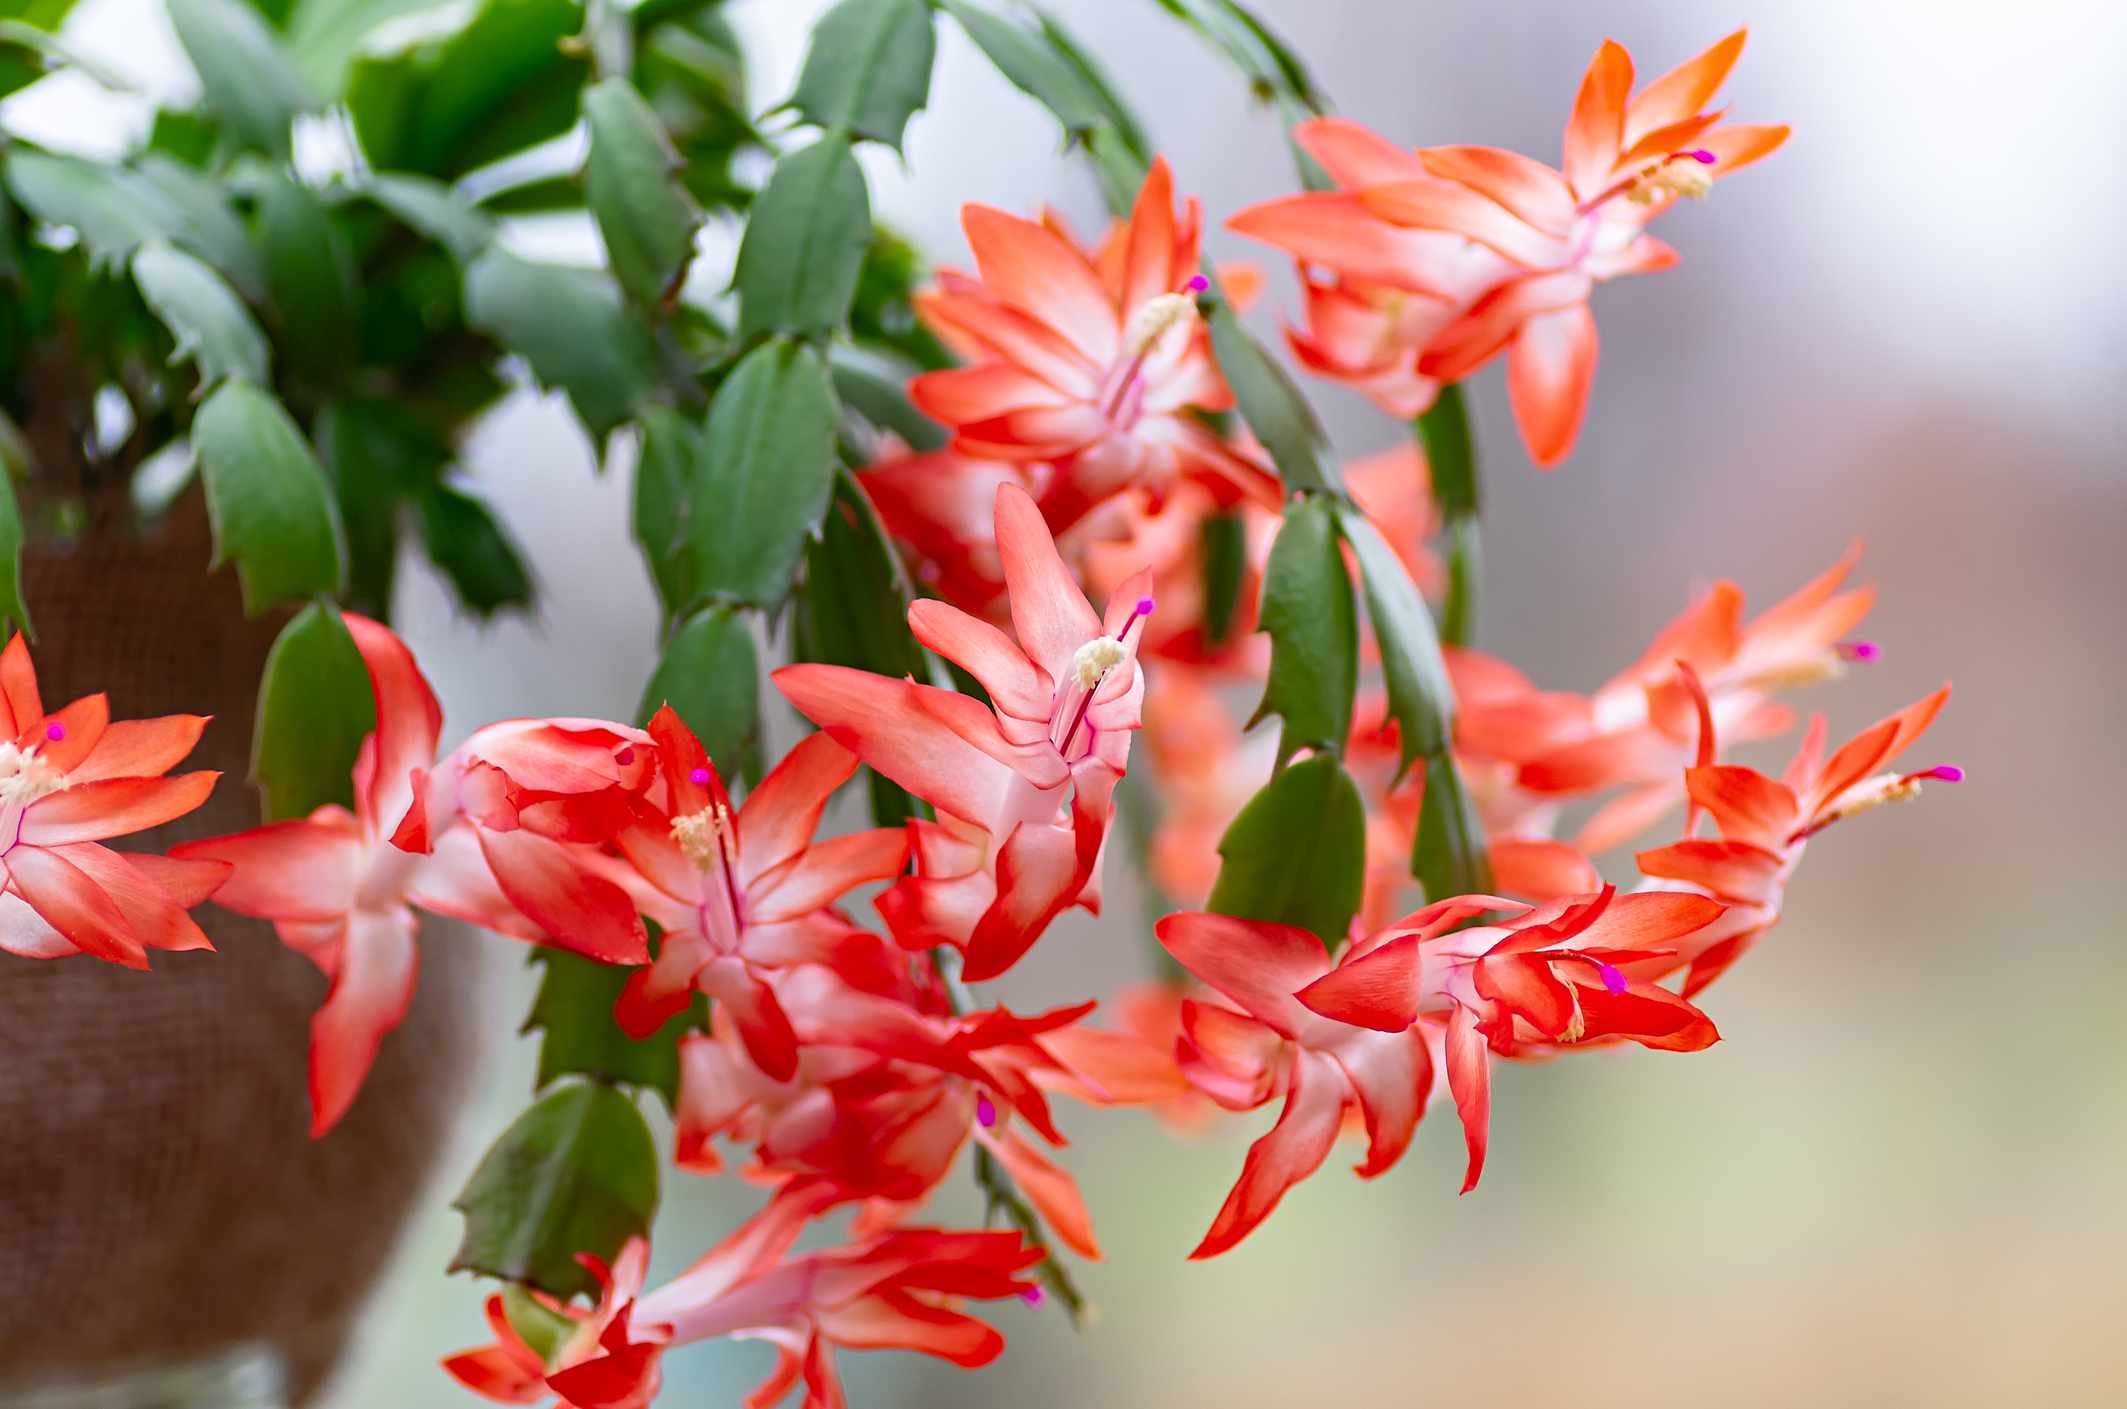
{"x": 24, "y": 777}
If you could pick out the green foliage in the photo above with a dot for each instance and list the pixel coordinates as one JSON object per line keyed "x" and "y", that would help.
{"x": 310, "y": 275}
{"x": 710, "y": 674}
{"x": 249, "y": 81}
{"x": 768, "y": 466}
{"x": 570, "y": 325}
{"x": 576, "y": 1173}
{"x": 194, "y": 210}
{"x": 665, "y": 468}
{"x": 472, "y": 550}
{"x": 573, "y": 1015}
{"x": 1297, "y": 853}
{"x": 1275, "y": 74}
{"x": 315, "y": 707}
{"x": 1269, "y": 401}
{"x": 869, "y": 68}
{"x": 1420, "y": 696}
{"x": 886, "y": 406}
{"x": 647, "y": 218}
{"x": 1311, "y": 617}
{"x": 212, "y": 327}
{"x": 1451, "y": 458}
{"x": 379, "y": 454}
{"x": 1222, "y": 551}
{"x": 1034, "y": 65}
{"x": 435, "y": 210}
{"x": 267, "y": 498}
{"x": 14, "y": 614}
{"x": 110, "y": 208}
{"x": 805, "y": 243}
{"x": 852, "y": 609}
{"x": 1448, "y": 855}
{"x": 468, "y": 86}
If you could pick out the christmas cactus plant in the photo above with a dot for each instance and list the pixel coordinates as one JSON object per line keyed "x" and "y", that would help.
{"x": 1048, "y": 550}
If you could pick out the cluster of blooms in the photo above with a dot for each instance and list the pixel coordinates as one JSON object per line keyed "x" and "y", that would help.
{"x": 848, "y": 1059}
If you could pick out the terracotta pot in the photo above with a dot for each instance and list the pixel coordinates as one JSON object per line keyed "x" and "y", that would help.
{"x": 160, "y": 1200}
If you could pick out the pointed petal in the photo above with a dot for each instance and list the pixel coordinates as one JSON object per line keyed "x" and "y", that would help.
{"x": 140, "y": 748}
{"x": 1393, "y": 1078}
{"x": 1355, "y": 155}
{"x": 780, "y": 816}
{"x": 1470, "y": 1080}
{"x": 1379, "y": 989}
{"x": 154, "y": 917}
{"x": 1037, "y": 876}
{"x": 762, "y": 1024}
{"x": 112, "y": 807}
{"x": 884, "y": 724}
{"x": 1049, "y": 1187}
{"x": 18, "y": 687}
{"x": 1148, "y": 266}
{"x": 1294, "y": 1149}
{"x": 1595, "y": 133}
{"x": 67, "y": 738}
{"x": 370, "y": 990}
{"x": 1526, "y": 187}
{"x": 1033, "y": 268}
{"x": 74, "y": 905}
{"x": 1259, "y": 966}
{"x": 1737, "y": 146}
{"x": 1550, "y": 367}
{"x": 1341, "y": 231}
{"x": 409, "y": 719}
{"x": 580, "y": 912}
{"x": 305, "y": 870}
{"x": 1015, "y": 684}
{"x": 1434, "y": 204}
{"x": 1684, "y": 90}
{"x": 1050, "y": 615}
{"x": 826, "y": 871}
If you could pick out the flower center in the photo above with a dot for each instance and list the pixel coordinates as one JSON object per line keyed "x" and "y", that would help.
{"x": 24, "y": 777}
{"x": 1678, "y": 174}
{"x": 1094, "y": 660}
{"x": 1876, "y": 791}
{"x": 1153, "y": 320}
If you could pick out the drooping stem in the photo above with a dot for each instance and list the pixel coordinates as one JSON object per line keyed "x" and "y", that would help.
{"x": 1451, "y": 455}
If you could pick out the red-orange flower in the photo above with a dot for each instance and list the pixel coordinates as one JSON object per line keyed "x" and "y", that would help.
{"x": 1524, "y": 244}
{"x": 1090, "y": 364}
{"x": 70, "y": 781}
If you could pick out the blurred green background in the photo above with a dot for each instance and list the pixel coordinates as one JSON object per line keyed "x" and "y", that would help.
{"x": 1898, "y": 1179}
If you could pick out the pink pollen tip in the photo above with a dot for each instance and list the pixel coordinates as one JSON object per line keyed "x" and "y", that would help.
{"x": 55, "y": 731}
{"x": 1703, "y": 157}
{"x": 1613, "y": 978}
{"x": 1032, "y": 1296}
{"x": 1144, "y": 606}
{"x": 1944, "y": 773}
{"x": 985, "y": 1112}
{"x": 1197, "y": 284}
{"x": 699, "y": 777}
{"x": 1859, "y": 650}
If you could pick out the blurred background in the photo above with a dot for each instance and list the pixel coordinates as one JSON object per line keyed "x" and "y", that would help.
{"x": 1898, "y": 1179}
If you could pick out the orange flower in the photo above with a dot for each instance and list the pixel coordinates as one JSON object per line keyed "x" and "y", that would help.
{"x": 69, "y": 781}
{"x": 1090, "y": 363}
{"x": 1450, "y": 256}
